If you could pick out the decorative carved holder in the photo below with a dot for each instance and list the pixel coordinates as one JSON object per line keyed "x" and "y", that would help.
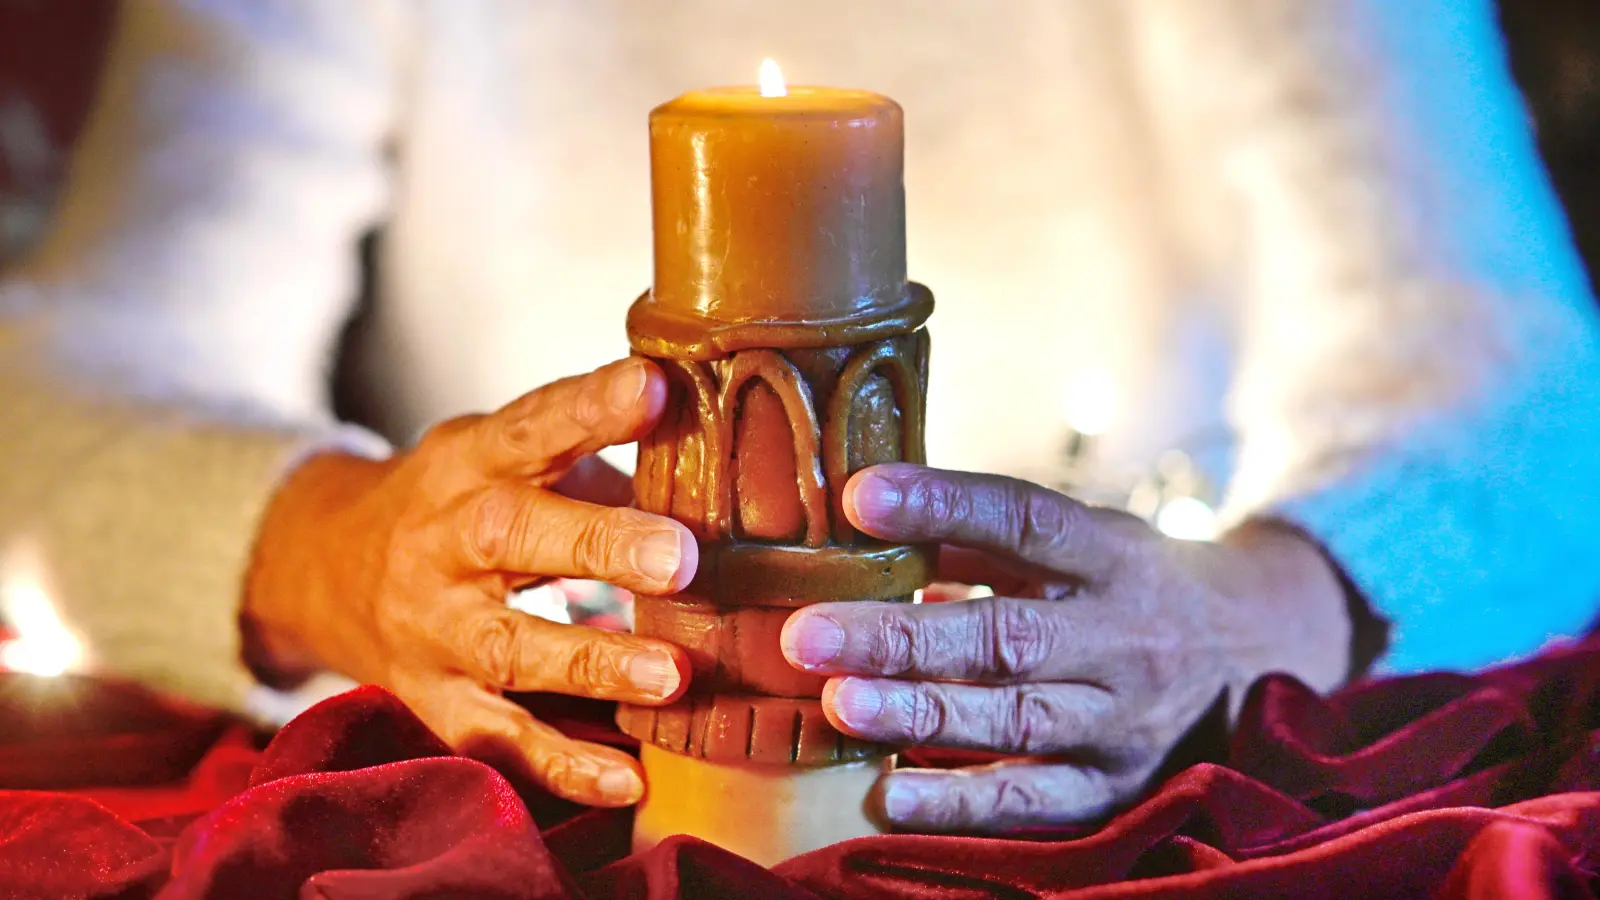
{"x": 795, "y": 354}
{"x": 747, "y": 462}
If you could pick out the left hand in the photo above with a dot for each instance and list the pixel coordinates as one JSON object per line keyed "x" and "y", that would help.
{"x": 1106, "y": 644}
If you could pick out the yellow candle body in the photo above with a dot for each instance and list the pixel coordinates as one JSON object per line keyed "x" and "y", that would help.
{"x": 773, "y": 211}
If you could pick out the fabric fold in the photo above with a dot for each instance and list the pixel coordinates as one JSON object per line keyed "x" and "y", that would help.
{"x": 1440, "y": 786}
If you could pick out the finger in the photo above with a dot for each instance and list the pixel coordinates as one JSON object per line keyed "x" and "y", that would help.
{"x": 593, "y": 480}
{"x": 511, "y": 650}
{"x": 1030, "y": 719}
{"x": 996, "y": 798}
{"x": 1011, "y": 518}
{"x": 550, "y": 429}
{"x": 996, "y": 640}
{"x": 493, "y": 730}
{"x": 517, "y": 528}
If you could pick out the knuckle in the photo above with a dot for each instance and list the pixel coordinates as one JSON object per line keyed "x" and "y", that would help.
{"x": 1028, "y": 721}
{"x": 513, "y": 435}
{"x": 963, "y": 806}
{"x": 590, "y": 666}
{"x": 498, "y": 648}
{"x": 928, "y": 716}
{"x": 894, "y": 645}
{"x": 1045, "y": 521}
{"x": 1021, "y": 801}
{"x": 559, "y": 772}
{"x": 498, "y": 522}
{"x": 596, "y": 545}
{"x": 1020, "y": 637}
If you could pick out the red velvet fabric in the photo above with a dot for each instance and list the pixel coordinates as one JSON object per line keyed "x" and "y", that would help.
{"x": 1436, "y": 786}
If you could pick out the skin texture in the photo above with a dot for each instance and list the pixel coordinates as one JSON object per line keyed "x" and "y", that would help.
{"x": 396, "y": 573}
{"x": 1105, "y": 644}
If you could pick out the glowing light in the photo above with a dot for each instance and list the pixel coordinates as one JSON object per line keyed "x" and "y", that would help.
{"x": 1187, "y": 519}
{"x": 771, "y": 80}
{"x": 1090, "y": 403}
{"x": 545, "y": 601}
{"x": 43, "y": 645}
{"x": 35, "y": 656}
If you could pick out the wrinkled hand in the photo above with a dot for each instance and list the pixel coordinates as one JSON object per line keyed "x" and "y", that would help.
{"x": 397, "y": 573}
{"x": 1105, "y": 644}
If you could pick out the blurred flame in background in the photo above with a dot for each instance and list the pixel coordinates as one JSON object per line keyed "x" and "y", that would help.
{"x": 1187, "y": 519}
{"x": 40, "y": 642}
{"x": 1173, "y": 497}
{"x": 1090, "y": 402}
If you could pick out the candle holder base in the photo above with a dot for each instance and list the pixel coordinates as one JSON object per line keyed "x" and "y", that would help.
{"x": 764, "y": 813}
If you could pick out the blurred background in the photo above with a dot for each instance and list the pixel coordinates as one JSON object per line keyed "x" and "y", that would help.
{"x": 51, "y": 52}
{"x": 50, "y": 57}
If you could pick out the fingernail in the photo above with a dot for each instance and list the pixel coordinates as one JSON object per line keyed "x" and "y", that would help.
{"x": 875, "y": 497}
{"x": 859, "y": 703}
{"x": 654, "y": 673}
{"x": 620, "y": 784}
{"x": 812, "y": 639}
{"x": 627, "y": 386}
{"x": 657, "y": 556}
{"x": 901, "y": 797}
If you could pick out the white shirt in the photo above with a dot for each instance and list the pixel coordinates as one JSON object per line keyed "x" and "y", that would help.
{"x": 1319, "y": 226}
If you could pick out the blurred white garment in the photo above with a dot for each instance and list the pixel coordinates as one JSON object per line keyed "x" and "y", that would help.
{"x": 1333, "y": 210}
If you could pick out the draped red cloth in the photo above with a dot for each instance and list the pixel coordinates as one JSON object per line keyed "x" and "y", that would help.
{"x": 1434, "y": 786}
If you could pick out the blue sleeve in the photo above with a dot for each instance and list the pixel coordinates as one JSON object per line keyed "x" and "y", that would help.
{"x": 1475, "y": 530}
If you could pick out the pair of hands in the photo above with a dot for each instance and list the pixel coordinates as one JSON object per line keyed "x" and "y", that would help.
{"x": 1104, "y": 644}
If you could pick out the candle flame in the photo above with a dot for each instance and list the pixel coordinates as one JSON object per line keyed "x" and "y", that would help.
{"x": 771, "y": 80}
{"x": 43, "y": 644}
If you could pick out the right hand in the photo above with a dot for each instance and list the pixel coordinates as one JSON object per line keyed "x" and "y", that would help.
{"x": 396, "y": 573}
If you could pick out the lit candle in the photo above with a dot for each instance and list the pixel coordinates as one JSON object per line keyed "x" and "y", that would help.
{"x": 777, "y": 204}
{"x": 794, "y": 345}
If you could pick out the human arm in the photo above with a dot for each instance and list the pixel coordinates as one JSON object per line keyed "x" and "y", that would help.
{"x": 1419, "y": 382}
{"x": 168, "y": 453}
{"x": 1418, "y": 394}
{"x": 163, "y": 356}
